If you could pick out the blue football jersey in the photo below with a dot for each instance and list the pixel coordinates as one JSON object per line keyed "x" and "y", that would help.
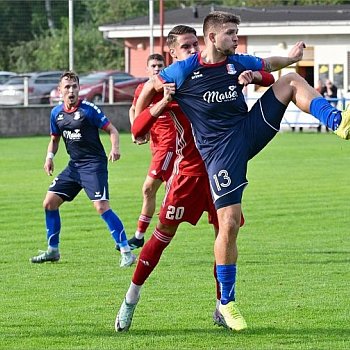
{"x": 209, "y": 94}
{"x": 80, "y": 131}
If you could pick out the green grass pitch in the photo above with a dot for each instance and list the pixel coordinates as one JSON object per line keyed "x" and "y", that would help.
{"x": 293, "y": 271}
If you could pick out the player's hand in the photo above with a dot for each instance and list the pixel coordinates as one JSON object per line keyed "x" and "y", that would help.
{"x": 49, "y": 167}
{"x": 246, "y": 77}
{"x": 142, "y": 140}
{"x": 297, "y": 51}
{"x": 114, "y": 155}
{"x": 139, "y": 140}
{"x": 169, "y": 91}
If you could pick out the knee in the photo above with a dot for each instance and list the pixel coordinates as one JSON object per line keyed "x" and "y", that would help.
{"x": 101, "y": 206}
{"x": 291, "y": 78}
{"x": 47, "y": 205}
{"x": 50, "y": 203}
{"x": 230, "y": 225}
{"x": 167, "y": 229}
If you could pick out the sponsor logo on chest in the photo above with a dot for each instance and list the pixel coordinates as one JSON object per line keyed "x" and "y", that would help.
{"x": 72, "y": 135}
{"x": 217, "y": 97}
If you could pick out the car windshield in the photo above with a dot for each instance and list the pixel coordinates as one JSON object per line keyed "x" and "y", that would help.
{"x": 99, "y": 77}
{"x": 4, "y": 79}
{"x": 93, "y": 78}
{"x": 15, "y": 81}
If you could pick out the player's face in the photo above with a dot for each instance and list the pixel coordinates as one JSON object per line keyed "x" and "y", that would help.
{"x": 226, "y": 39}
{"x": 154, "y": 67}
{"x": 186, "y": 45}
{"x": 69, "y": 90}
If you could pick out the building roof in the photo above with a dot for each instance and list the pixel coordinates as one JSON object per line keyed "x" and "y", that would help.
{"x": 249, "y": 14}
{"x": 326, "y": 16}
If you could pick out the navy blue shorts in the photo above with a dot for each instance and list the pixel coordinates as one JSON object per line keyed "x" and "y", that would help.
{"x": 227, "y": 163}
{"x": 70, "y": 181}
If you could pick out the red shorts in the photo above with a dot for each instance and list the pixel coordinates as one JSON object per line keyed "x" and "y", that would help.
{"x": 186, "y": 198}
{"x": 161, "y": 166}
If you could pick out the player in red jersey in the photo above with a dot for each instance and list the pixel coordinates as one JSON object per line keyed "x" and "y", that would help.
{"x": 162, "y": 137}
{"x": 189, "y": 176}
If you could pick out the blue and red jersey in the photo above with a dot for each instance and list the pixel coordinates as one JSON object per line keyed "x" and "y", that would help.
{"x": 215, "y": 110}
{"x": 80, "y": 131}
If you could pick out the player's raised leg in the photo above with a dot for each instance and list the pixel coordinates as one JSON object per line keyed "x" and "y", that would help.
{"x": 292, "y": 87}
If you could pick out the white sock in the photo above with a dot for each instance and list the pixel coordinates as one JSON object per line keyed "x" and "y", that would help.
{"x": 133, "y": 294}
{"x": 217, "y": 303}
{"x": 139, "y": 235}
{"x": 125, "y": 249}
{"x": 52, "y": 249}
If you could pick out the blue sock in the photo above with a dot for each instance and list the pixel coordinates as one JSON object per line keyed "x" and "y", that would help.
{"x": 328, "y": 115}
{"x": 116, "y": 227}
{"x": 53, "y": 227}
{"x": 226, "y": 275}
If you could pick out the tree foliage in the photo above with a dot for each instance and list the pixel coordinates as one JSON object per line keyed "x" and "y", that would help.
{"x": 50, "y": 52}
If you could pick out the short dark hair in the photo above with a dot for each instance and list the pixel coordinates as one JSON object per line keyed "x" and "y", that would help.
{"x": 155, "y": 56}
{"x": 69, "y": 74}
{"x": 178, "y": 30}
{"x": 217, "y": 19}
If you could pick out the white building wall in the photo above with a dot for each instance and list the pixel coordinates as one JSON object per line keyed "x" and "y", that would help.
{"x": 329, "y": 50}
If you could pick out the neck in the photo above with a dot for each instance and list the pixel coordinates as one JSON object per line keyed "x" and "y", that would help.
{"x": 213, "y": 56}
{"x": 69, "y": 107}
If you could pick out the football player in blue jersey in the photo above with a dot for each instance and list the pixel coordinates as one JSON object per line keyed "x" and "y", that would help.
{"x": 227, "y": 135}
{"x": 78, "y": 123}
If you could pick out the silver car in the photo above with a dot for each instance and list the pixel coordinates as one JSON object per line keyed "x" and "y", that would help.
{"x": 39, "y": 86}
{"x": 5, "y": 76}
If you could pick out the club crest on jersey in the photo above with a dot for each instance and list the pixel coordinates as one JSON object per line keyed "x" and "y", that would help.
{"x": 76, "y": 115}
{"x": 60, "y": 117}
{"x": 231, "y": 68}
{"x": 197, "y": 75}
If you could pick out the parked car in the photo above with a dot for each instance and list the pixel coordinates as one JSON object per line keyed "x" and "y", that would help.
{"x": 4, "y": 76}
{"x": 94, "y": 87}
{"x": 40, "y": 85}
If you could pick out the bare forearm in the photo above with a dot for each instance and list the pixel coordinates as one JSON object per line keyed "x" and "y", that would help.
{"x": 114, "y": 138}
{"x": 278, "y": 62}
{"x": 52, "y": 147}
{"x": 145, "y": 97}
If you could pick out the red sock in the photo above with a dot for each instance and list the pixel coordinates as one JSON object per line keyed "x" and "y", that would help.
{"x": 143, "y": 223}
{"x": 150, "y": 255}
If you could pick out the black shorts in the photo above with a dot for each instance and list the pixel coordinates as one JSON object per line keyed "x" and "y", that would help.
{"x": 70, "y": 181}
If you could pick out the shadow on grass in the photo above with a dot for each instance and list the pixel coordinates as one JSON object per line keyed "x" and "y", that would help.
{"x": 89, "y": 330}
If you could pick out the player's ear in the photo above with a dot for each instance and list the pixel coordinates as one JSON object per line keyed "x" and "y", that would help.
{"x": 172, "y": 53}
{"x": 211, "y": 37}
